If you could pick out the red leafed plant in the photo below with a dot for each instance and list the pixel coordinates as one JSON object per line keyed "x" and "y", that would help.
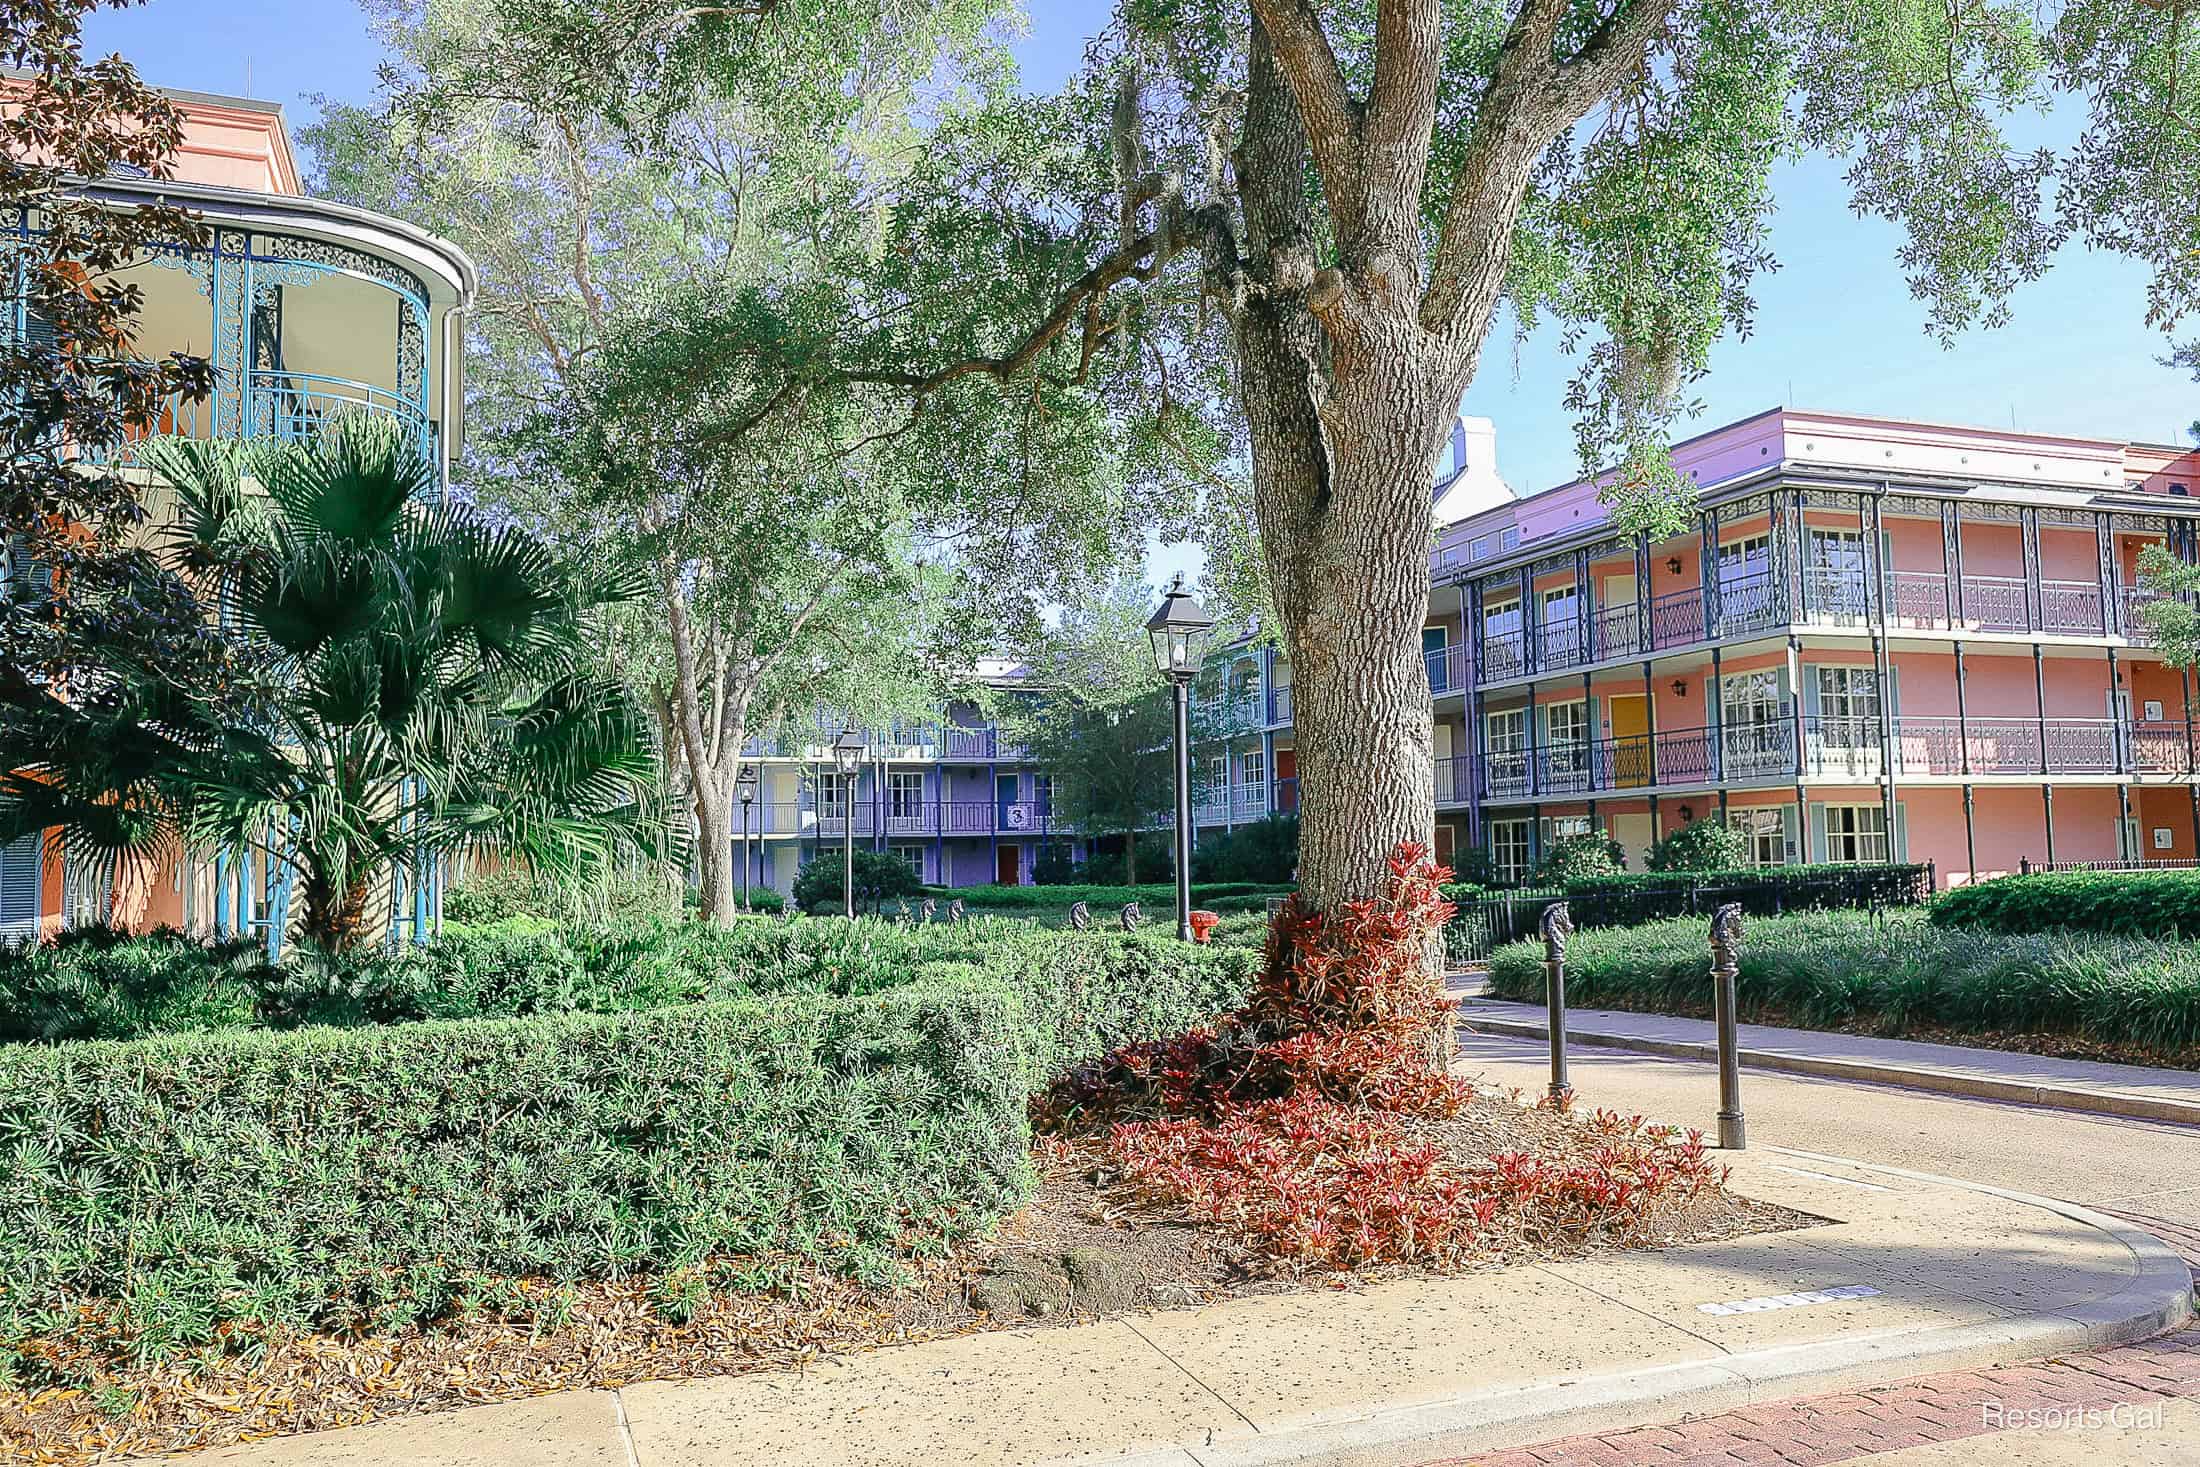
{"x": 1304, "y": 1121}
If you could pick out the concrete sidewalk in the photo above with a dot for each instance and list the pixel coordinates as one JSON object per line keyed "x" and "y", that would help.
{"x": 1910, "y": 1274}
{"x": 1952, "y": 1069}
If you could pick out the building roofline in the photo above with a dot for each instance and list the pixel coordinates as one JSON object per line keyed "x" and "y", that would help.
{"x": 302, "y": 207}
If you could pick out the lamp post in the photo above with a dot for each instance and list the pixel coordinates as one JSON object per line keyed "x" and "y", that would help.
{"x": 747, "y": 784}
{"x": 848, "y": 755}
{"x": 1177, "y": 628}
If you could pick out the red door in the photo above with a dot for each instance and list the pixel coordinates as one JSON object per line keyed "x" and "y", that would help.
{"x": 1287, "y": 780}
{"x": 1008, "y": 869}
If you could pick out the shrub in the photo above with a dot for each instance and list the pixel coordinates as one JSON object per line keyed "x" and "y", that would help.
{"x": 881, "y": 876}
{"x": 1265, "y": 851}
{"x": 1580, "y": 855}
{"x": 1053, "y": 866}
{"x": 1702, "y": 845}
{"x": 1156, "y": 862}
{"x": 97, "y": 983}
{"x": 1155, "y": 901}
{"x": 1832, "y": 969}
{"x": 861, "y": 1092}
{"x": 2134, "y": 903}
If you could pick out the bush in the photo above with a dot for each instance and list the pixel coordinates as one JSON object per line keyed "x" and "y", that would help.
{"x": 1265, "y": 851}
{"x": 1580, "y": 855}
{"x": 2134, "y": 903}
{"x": 1154, "y": 901}
{"x": 1703, "y": 845}
{"x": 881, "y": 876}
{"x": 861, "y": 1094}
{"x": 486, "y": 897}
{"x": 94, "y": 983}
{"x": 1053, "y": 866}
{"x": 1156, "y": 862}
{"x": 1833, "y": 969}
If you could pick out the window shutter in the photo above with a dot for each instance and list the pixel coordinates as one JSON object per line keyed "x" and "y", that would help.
{"x": 19, "y": 880}
{"x": 1818, "y": 833}
{"x": 1787, "y": 693}
{"x": 1789, "y": 835}
{"x": 1899, "y": 844}
{"x": 1894, "y": 690}
{"x": 1810, "y": 692}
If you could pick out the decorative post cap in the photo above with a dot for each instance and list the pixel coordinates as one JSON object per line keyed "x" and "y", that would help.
{"x": 1726, "y": 931}
{"x": 1556, "y": 925}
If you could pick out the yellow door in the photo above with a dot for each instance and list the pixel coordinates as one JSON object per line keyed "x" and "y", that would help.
{"x": 1630, "y": 740}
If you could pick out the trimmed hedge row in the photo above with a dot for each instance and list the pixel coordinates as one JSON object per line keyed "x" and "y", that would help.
{"x": 860, "y": 1096}
{"x": 1831, "y": 969}
{"x": 2133, "y": 903}
{"x": 1218, "y": 896}
{"x": 1634, "y": 897}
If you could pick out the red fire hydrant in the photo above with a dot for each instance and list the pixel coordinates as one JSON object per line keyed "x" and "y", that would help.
{"x": 1203, "y": 925}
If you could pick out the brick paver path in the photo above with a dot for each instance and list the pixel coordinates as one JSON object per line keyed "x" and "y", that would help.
{"x": 1935, "y": 1408}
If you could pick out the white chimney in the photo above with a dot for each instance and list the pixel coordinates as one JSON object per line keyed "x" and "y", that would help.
{"x": 1471, "y": 483}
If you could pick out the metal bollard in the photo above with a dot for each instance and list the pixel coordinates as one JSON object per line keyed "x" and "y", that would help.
{"x": 1726, "y": 954}
{"x": 1557, "y": 925}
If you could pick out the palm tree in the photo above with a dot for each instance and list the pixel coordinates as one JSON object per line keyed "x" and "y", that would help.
{"x": 415, "y": 680}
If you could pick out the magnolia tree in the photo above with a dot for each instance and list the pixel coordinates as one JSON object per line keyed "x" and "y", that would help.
{"x": 1255, "y": 250}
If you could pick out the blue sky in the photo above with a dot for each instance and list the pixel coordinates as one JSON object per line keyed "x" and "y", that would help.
{"x": 1836, "y": 328}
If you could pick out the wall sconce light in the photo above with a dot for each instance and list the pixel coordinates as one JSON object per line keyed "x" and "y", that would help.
{"x": 1687, "y": 813}
{"x": 1680, "y": 687}
{"x": 1673, "y": 564}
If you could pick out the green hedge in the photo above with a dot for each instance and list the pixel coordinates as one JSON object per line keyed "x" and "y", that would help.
{"x": 858, "y": 1094}
{"x": 1635, "y": 897}
{"x": 1159, "y": 897}
{"x": 1832, "y": 969}
{"x": 2133, "y": 903}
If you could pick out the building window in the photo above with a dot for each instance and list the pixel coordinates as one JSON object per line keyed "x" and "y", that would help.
{"x": 1567, "y": 724}
{"x": 1253, "y": 768}
{"x": 1509, "y": 849}
{"x": 1508, "y": 540}
{"x": 1480, "y": 549}
{"x": 1856, "y": 835}
{"x": 1752, "y": 735}
{"x": 914, "y": 855}
{"x": 1848, "y": 706}
{"x": 832, "y": 795}
{"x": 1766, "y": 831}
{"x": 1564, "y": 826}
{"x": 1042, "y": 794}
{"x": 905, "y": 794}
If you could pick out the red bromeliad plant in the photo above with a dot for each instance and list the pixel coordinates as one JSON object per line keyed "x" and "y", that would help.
{"x": 1300, "y": 1122}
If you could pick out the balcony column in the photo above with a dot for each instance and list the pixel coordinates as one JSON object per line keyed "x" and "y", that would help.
{"x": 2123, "y": 826}
{"x": 1795, "y": 689}
{"x": 2192, "y": 756}
{"x": 1798, "y": 543}
{"x": 2035, "y": 612}
{"x": 1715, "y": 717}
{"x": 2104, "y": 545}
{"x": 1970, "y": 834}
{"x": 1707, "y": 573}
{"x": 1592, "y": 737}
{"x": 1882, "y": 661}
{"x": 1642, "y": 593}
{"x": 2047, "y": 807}
{"x": 1649, "y": 728}
{"x": 1950, "y": 586}
{"x": 2119, "y": 730}
{"x": 1268, "y": 770}
{"x": 1584, "y": 624}
{"x": 1875, "y": 585}
{"x": 1955, "y": 545}
{"x": 1963, "y": 711}
{"x": 2039, "y": 697}
{"x": 1654, "y": 820}
{"x": 1528, "y": 657}
{"x": 1470, "y": 631}
{"x": 1535, "y": 755}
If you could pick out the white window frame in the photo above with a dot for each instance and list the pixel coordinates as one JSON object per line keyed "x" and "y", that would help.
{"x": 1749, "y": 705}
{"x": 911, "y": 851}
{"x": 1856, "y": 835}
{"x": 905, "y": 794}
{"x": 1765, "y": 827}
{"x": 1253, "y": 768}
{"x": 832, "y": 794}
{"x": 1510, "y": 849}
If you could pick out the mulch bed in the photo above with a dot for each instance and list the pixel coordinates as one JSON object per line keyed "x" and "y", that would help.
{"x": 1083, "y": 1249}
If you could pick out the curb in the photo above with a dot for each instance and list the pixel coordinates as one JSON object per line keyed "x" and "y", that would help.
{"x": 2157, "y": 1296}
{"x": 1945, "y": 1082}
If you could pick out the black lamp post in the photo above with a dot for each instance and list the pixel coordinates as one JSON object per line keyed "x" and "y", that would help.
{"x": 1178, "y": 628}
{"x": 747, "y": 784}
{"x": 848, "y": 755}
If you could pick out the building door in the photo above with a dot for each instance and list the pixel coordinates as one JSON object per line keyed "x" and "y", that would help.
{"x": 1439, "y": 666}
{"x": 1616, "y": 631}
{"x": 1287, "y": 779}
{"x": 1008, "y": 865}
{"x": 1004, "y": 802}
{"x": 1630, "y": 739}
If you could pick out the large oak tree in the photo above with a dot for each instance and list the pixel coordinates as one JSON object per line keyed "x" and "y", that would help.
{"x": 1268, "y": 239}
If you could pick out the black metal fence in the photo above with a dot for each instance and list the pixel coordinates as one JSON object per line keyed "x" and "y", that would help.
{"x": 1487, "y": 922}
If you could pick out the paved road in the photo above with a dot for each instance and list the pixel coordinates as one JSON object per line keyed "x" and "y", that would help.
{"x": 2120, "y": 1407}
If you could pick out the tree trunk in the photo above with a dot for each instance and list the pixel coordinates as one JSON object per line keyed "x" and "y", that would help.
{"x": 1344, "y": 412}
{"x": 1130, "y": 858}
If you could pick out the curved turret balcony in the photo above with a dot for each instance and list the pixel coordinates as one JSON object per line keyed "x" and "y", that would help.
{"x": 307, "y": 310}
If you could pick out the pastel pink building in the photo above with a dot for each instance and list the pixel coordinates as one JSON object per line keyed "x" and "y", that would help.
{"x": 1878, "y": 640}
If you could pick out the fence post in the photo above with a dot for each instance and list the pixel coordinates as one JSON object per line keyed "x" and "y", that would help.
{"x": 1726, "y": 952}
{"x": 2024, "y": 865}
{"x": 1557, "y": 925}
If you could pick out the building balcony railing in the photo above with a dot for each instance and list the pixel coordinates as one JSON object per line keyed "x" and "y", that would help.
{"x": 895, "y": 818}
{"x": 1249, "y": 801}
{"x": 951, "y": 743}
{"x": 1454, "y": 780}
{"x": 1832, "y": 596}
{"x": 285, "y": 407}
{"x": 1840, "y": 748}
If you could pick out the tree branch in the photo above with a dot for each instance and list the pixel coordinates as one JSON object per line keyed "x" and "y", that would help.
{"x": 1327, "y": 108}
